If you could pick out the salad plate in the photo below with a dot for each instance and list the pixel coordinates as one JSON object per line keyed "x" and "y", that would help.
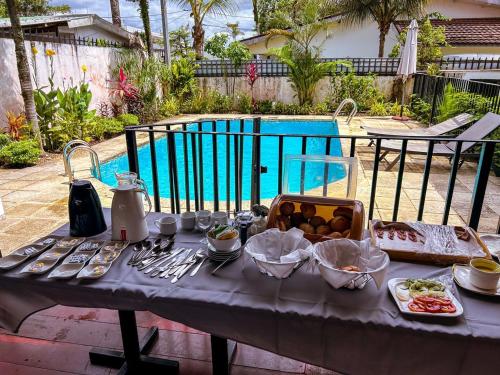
{"x": 424, "y": 297}
{"x": 461, "y": 275}
{"x": 94, "y": 271}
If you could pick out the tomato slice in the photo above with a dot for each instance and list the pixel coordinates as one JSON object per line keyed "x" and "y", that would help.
{"x": 415, "y": 308}
{"x": 449, "y": 308}
{"x": 424, "y": 299}
{"x": 433, "y": 307}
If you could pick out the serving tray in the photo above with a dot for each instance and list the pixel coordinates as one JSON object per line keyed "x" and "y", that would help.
{"x": 408, "y": 251}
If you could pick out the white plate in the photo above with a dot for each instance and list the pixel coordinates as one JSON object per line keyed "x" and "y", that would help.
{"x": 89, "y": 271}
{"x": 492, "y": 242}
{"x": 403, "y": 305}
{"x": 12, "y": 260}
{"x": 66, "y": 271}
{"x": 39, "y": 267}
{"x": 461, "y": 276}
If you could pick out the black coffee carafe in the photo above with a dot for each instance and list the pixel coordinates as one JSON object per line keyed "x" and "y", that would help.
{"x": 86, "y": 218}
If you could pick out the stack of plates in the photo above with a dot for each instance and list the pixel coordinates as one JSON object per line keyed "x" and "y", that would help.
{"x": 226, "y": 255}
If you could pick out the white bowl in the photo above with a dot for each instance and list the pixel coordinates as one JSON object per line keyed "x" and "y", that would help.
{"x": 223, "y": 245}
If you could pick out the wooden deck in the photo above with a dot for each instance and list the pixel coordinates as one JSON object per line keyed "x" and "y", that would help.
{"x": 57, "y": 341}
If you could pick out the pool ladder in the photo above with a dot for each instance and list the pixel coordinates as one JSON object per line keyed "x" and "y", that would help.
{"x": 69, "y": 150}
{"x": 353, "y": 112}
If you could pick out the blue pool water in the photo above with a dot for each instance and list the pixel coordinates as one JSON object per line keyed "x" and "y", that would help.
{"x": 269, "y": 158}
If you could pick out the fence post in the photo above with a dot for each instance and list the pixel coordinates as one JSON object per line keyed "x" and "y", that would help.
{"x": 133, "y": 161}
{"x": 255, "y": 180}
{"x": 434, "y": 100}
{"x": 480, "y": 183}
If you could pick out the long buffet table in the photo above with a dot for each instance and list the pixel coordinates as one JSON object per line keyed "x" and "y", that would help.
{"x": 302, "y": 317}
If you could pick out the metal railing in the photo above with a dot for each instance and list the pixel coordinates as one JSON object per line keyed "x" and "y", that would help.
{"x": 385, "y": 66}
{"x": 188, "y": 168}
{"x": 432, "y": 89}
{"x": 64, "y": 39}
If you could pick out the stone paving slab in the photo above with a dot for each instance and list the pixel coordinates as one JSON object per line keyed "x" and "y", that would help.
{"x": 35, "y": 198}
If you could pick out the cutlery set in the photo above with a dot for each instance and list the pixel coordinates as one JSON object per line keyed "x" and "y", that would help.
{"x": 158, "y": 258}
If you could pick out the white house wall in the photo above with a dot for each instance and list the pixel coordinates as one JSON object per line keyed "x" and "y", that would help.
{"x": 464, "y": 9}
{"x": 68, "y": 62}
{"x": 96, "y": 33}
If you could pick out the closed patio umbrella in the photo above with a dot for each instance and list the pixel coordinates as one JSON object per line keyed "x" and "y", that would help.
{"x": 408, "y": 64}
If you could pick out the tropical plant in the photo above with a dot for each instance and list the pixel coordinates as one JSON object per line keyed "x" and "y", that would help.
{"x": 181, "y": 78}
{"x": 378, "y": 109}
{"x": 383, "y": 12}
{"x": 234, "y": 29}
{"x": 199, "y": 10}
{"x": 180, "y": 42}
{"x": 252, "y": 75}
{"x": 115, "y": 12}
{"x": 169, "y": 107}
{"x": 23, "y": 70}
{"x": 456, "y": 102}
{"x": 15, "y": 123}
{"x": 144, "y": 12}
{"x": 299, "y": 53}
{"x": 420, "y": 109}
{"x": 20, "y": 154}
{"x": 29, "y": 8}
{"x": 430, "y": 41}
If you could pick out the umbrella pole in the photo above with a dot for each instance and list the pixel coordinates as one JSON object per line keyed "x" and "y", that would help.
{"x": 402, "y": 98}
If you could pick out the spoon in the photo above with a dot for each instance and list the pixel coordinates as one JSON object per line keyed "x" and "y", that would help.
{"x": 203, "y": 259}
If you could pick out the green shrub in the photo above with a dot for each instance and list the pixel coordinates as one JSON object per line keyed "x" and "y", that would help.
{"x": 169, "y": 107}
{"x": 4, "y": 140}
{"x": 394, "y": 109}
{"x": 264, "y": 107}
{"x": 128, "y": 119}
{"x": 360, "y": 88}
{"x": 455, "y": 102}
{"x": 320, "y": 109}
{"x": 420, "y": 109}
{"x": 378, "y": 109}
{"x": 104, "y": 127}
{"x": 20, "y": 154}
{"x": 243, "y": 104}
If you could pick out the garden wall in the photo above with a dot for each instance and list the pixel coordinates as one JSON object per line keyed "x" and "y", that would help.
{"x": 279, "y": 88}
{"x": 68, "y": 62}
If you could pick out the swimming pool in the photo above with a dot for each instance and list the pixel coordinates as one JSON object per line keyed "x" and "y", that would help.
{"x": 269, "y": 158}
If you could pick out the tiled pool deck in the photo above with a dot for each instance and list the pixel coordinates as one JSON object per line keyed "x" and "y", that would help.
{"x": 35, "y": 198}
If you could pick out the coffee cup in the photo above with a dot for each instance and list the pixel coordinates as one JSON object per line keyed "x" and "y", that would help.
{"x": 484, "y": 273}
{"x": 188, "y": 220}
{"x": 167, "y": 225}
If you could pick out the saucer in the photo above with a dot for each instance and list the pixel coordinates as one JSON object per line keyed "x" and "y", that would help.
{"x": 236, "y": 247}
{"x": 461, "y": 276}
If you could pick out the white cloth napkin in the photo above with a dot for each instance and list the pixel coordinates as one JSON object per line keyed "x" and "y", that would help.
{"x": 277, "y": 253}
{"x": 334, "y": 254}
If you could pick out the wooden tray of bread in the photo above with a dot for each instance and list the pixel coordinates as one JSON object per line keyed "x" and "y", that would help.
{"x": 320, "y": 218}
{"x": 402, "y": 242}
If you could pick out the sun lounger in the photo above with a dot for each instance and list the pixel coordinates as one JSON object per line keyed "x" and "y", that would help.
{"x": 479, "y": 130}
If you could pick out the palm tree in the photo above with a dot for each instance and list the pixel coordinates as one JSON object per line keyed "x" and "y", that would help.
{"x": 199, "y": 10}
{"x": 300, "y": 53}
{"x": 144, "y": 11}
{"x": 255, "y": 7}
{"x": 23, "y": 70}
{"x": 384, "y": 12}
{"x": 115, "y": 12}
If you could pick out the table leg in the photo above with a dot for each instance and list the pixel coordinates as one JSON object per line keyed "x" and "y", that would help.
{"x": 133, "y": 359}
{"x": 223, "y": 351}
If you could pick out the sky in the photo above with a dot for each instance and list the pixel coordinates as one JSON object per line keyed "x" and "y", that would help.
{"x": 177, "y": 16}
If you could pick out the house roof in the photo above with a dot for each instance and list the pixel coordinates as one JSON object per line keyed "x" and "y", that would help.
{"x": 69, "y": 20}
{"x": 466, "y": 31}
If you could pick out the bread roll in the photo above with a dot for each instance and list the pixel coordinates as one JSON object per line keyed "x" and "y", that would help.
{"x": 307, "y": 228}
{"x": 308, "y": 210}
{"x": 316, "y": 221}
{"x": 287, "y": 208}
